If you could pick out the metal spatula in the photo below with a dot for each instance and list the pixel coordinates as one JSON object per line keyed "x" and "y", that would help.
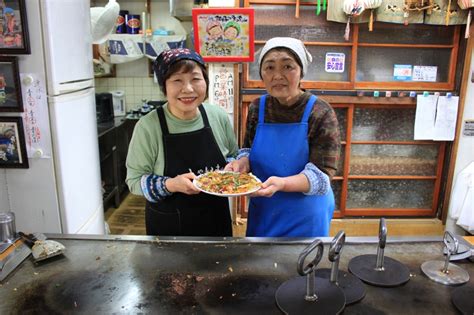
{"x": 42, "y": 249}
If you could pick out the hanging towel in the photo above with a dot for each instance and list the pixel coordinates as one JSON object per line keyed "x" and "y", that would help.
{"x": 461, "y": 206}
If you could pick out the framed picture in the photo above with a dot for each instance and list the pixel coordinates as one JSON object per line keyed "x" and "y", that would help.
{"x": 14, "y": 38}
{"x": 12, "y": 143}
{"x": 10, "y": 88}
{"x": 224, "y": 34}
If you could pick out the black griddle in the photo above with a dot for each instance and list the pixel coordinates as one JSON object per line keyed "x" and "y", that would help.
{"x": 142, "y": 274}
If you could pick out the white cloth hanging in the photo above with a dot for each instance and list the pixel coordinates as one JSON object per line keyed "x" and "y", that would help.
{"x": 461, "y": 207}
{"x": 103, "y": 21}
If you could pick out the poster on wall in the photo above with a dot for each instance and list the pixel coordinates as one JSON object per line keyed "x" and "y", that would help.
{"x": 402, "y": 72}
{"x": 225, "y": 35}
{"x": 424, "y": 73}
{"x": 221, "y": 91}
{"x": 335, "y": 62}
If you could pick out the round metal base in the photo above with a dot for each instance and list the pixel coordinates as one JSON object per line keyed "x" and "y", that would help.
{"x": 433, "y": 269}
{"x": 394, "y": 273}
{"x": 353, "y": 288}
{"x": 290, "y": 297}
{"x": 463, "y": 300}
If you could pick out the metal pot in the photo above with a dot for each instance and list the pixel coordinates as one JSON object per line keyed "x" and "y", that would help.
{"x": 7, "y": 227}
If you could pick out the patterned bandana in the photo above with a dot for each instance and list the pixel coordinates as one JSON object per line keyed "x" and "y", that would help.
{"x": 163, "y": 62}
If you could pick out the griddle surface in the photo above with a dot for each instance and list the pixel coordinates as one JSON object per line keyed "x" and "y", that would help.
{"x": 107, "y": 276}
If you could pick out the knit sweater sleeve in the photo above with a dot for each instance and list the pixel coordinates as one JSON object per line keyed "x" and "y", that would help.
{"x": 143, "y": 151}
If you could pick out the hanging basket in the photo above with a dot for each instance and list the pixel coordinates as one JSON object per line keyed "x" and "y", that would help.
{"x": 419, "y": 4}
{"x": 392, "y": 11}
{"x": 446, "y": 12}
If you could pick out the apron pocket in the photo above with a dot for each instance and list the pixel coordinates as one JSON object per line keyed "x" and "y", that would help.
{"x": 162, "y": 223}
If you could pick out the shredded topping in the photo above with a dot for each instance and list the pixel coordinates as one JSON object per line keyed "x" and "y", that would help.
{"x": 219, "y": 182}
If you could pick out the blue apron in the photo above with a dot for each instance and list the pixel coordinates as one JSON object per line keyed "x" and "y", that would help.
{"x": 281, "y": 149}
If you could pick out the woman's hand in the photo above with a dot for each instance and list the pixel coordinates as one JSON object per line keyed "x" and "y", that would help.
{"x": 270, "y": 187}
{"x": 182, "y": 183}
{"x": 241, "y": 165}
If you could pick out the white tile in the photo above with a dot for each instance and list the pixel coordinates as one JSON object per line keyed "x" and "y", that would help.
{"x": 137, "y": 82}
{"x": 129, "y": 82}
{"x": 99, "y": 83}
{"x": 112, "y": 83}
{"x": 138, "y": 90}
{"x": 147, "y": 90}
{"x": 121, "y": 83}
{"x": 148, "y": 82}
{"x": 129, "y": 90}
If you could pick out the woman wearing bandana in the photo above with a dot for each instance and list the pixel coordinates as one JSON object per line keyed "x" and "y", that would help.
{"x": 175, "y": 141}
{"x": 292, "y": 142}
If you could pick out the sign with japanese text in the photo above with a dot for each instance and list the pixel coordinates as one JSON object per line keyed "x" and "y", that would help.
{"x": 35, "y": 117}
{"x": 335, "y": 62}
{"x": 221, "y": 90}
{"x": 402, "y": 72}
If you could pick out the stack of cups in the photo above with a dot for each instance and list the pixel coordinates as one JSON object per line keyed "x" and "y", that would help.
{"x": 7, "y": 227}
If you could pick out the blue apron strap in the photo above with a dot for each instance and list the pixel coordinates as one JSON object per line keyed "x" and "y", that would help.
{"x": 261, "y": 109}
{"x": 309, "y": 108}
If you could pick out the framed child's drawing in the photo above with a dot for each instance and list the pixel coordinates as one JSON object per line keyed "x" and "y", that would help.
{"x": 224, "y": 34}
{"x": 14, "y": 37}
{"x": 10, "y": 88}
{"x": 12, "y": 143}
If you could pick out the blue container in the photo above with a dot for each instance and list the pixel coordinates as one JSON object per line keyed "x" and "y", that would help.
{"x": 133, "y": 23}
{"x": 121, "y": 26}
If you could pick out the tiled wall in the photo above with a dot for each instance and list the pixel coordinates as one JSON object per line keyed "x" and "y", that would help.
{"x": 135, "y": 88}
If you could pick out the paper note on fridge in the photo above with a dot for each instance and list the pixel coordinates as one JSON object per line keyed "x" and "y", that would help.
{"x": 425, "y": 117}
{"x": 446, "y": 115}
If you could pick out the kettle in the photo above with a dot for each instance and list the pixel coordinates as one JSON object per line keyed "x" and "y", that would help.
{"x": 118, "y": 98}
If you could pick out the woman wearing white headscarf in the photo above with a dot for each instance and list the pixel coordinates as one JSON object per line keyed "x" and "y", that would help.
{"x": 293, "y": 146}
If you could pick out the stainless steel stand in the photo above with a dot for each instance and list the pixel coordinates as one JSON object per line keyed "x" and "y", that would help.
{"x": 379, "y": 270}
{"x": 312, "y": 295}
{"x": 445, "y": 272}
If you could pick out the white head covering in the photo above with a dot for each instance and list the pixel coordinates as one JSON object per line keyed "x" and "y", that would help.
{"x": 292, "y": 44}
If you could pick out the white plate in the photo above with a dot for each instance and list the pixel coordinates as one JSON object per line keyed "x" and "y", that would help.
{"x": 226, "y": 195}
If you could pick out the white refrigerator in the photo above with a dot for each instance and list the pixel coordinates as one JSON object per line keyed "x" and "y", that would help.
{"x": 60, "y": 193}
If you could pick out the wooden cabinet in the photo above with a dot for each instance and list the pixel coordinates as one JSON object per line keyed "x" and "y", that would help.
{"x": 369, "y": 57}
{"x": 382, "y": 170}
{"x": 114, "y": 138}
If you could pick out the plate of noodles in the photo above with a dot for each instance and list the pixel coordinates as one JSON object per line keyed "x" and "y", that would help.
{"x": 227, "y": 184}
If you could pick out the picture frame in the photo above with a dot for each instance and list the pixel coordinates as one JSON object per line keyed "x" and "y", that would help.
{"x": 224, "y": 34}
{"x": 10, "y": 87}
{"x": 12, "y": 143}
{"x": 14, "y": 38}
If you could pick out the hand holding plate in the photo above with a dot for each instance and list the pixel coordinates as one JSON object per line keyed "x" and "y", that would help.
{"x": 270, "y": 187}
{"x": 241, "y": 165}
{"x": 182, "y": 183}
